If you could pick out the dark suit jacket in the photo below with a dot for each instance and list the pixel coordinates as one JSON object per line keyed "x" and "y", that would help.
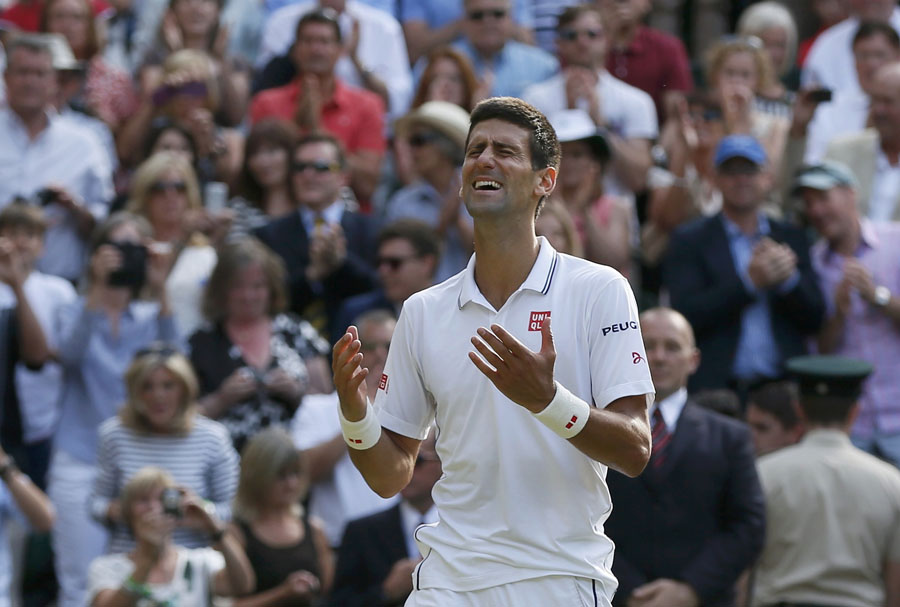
{"x": 698, "y": 271}
{"x": 369, "y": 549}
{"x": 699, "y": 518}
{"x": 288, "y": 238}
{"x": 357, "y": 305}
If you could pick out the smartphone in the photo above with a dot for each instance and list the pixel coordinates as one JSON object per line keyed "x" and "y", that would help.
{"x": 215, "y": 196}
{"x": 820, "y": 95}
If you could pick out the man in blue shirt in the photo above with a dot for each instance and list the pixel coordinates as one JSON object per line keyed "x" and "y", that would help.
{"x": 742, "y": 279}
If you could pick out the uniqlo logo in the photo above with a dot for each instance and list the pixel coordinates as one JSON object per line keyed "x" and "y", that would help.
{"x": 382, "y": 385}
{"x": 537, "y": 320}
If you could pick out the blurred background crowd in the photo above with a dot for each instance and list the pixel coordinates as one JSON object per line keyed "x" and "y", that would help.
{"x": 197, "y": 197}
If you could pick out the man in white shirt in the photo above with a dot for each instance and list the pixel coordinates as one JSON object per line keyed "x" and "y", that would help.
{"x": 829, "y": 63}
{"x": 41, "y": 150}
{"x": 525, "y": 431}
{"x": 625, "y": 113}
{"x": 380, "y": 49}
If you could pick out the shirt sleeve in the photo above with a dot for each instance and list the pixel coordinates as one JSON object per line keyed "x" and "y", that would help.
{"x": 642, "y": 122}
{"x": 402, "y": 401}
{"x": 106, "y": 482}
{"x": 618, "y": 361}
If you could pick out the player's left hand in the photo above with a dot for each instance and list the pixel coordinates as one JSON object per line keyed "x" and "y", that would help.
{"x": 664, "y": 593}
{"x": 523, "y": 376}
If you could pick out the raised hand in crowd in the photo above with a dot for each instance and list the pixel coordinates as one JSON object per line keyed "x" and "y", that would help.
{"x": 581, "y": 84}
{"x": 737, "y": 107}
{"x": 327, "y": 251}
{"x": 309, "y": 104}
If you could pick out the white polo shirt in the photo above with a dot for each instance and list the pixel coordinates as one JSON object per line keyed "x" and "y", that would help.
{"x": 516, "y": 501}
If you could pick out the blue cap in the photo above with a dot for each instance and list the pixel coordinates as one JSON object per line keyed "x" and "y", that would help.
{"x": 740, "y": 146}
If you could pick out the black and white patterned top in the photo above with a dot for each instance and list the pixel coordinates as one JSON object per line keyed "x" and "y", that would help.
{"x": 215, "y": 357}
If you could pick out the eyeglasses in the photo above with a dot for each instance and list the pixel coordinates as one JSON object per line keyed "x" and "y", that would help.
{"x": 316, "y": 165}
{"x": 497, "y": 13}
{"x": 572, "y": 35}
{"x": 157, "y": 348}
{"x": 420, "y": 139}
{"x": 164, "y": 186}
{"x": 393, "y": 263}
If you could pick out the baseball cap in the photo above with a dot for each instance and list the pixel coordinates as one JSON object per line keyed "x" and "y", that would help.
{"x": 739, "y": 146}
{"x": 824, "y": 176}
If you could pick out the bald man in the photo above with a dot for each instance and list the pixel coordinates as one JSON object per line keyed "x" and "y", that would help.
{"x": 874, "y": 153}
{"x": 686, "y": 528}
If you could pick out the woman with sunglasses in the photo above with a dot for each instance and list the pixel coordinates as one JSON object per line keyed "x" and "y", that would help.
{"x": 288, "y": 550}
{"x": 158, "y": 425}
{"x": 98, "y": 336}
{"x": 166, "y": 193}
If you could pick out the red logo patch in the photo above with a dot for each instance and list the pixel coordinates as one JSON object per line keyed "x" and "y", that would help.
{"x": 382, "y": 385}
{"x": 537, "y": 320}
{"x": 572, "y": 422}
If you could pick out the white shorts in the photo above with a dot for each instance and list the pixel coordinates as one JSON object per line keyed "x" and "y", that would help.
{"x": 550, "y": 591}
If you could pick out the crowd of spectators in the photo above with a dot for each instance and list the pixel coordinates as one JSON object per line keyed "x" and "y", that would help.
{"x": 197, "y": 197}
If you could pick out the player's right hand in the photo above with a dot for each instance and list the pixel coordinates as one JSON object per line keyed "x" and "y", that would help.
{"x": 350, "y": 375}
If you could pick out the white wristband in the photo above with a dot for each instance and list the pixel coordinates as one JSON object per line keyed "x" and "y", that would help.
{"x": 566, "y": 414}
{"x": 362, "y": 434}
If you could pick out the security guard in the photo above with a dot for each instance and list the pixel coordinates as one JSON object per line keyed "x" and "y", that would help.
{"x": 833, "y": 511}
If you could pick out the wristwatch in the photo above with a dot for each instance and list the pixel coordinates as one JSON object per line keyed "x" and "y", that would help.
{"x": 882, "y": 296}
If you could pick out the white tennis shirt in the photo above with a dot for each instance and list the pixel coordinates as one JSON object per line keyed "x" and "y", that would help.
{"x": 516, "y": 501}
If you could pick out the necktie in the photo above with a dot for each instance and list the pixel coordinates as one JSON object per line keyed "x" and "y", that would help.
{"x": 661, "y": 437}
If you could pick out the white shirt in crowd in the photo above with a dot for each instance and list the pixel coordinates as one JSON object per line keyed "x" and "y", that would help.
{"x": 885, "y": 189}
{"x": 63, "y": 154}
{"x": 382, "y": 47}
{"x": 515, "y": 501}
{"x": 40, "y": 390}
{"x": 846, "y": 113}
{"x": 628, "y": 111}
{"x": 829, "y": 63}
{"x": 344, "y": 496}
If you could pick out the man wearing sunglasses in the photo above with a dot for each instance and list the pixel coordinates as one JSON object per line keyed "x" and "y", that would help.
{"x": 525, "y": 429}
{"x": 625, "y": 113}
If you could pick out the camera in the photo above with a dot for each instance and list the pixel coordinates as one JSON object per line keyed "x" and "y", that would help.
{"x": 133, "y": 271}
{"x": 171, "y": 502}
{"x": 820, "y": 95}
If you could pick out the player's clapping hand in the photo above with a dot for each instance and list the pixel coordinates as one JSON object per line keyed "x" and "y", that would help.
{"x": 523, "y": 376}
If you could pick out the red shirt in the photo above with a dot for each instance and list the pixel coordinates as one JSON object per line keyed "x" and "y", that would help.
{"x": 654, "y": 62}
{"x": 27, "y": 15}
{"x": 353, "y": 115}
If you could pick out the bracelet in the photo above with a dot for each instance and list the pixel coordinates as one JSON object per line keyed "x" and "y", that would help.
{"x": 363, "y": 434}
{"x": 566, "y": 414}
{"x": 136, "y": 588}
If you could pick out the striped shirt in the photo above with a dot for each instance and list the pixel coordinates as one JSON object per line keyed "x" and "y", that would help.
{"x": 203, "y": 461}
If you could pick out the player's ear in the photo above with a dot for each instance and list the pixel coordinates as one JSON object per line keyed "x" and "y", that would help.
{"x": 545, "y": 181}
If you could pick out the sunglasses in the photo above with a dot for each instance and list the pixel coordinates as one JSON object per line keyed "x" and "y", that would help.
{"x": 393, "y": 263}
{"x": 317, "y": 166}
{"x": 572, "y": 35}
{"x": 497, "y": 13}
{"x": 164, "y": 186}
{"x": 189, "y": 89}
{"x": 420, "y": 139}
{"x": 739, "y": 168}
{"x": 158, "y": 348}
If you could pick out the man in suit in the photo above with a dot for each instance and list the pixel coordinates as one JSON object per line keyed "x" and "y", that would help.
{"x": 695, "y": 519}
{"x": 874, "y": 153}
{"x": 326, "y": 245}
{"x": 744, "y": 281}
{"x": 379, "y": 552}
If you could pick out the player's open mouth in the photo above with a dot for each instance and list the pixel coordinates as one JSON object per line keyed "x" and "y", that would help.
{"x": 488, "y": 185}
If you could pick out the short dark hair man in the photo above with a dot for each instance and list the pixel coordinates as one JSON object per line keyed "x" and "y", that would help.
{"x": 526, "y": 430}
{"x": 832, "y": 509}
{"x": 694, "y": 520}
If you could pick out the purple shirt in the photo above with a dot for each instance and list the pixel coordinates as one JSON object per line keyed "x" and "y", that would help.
{"x": 869, "y": 334}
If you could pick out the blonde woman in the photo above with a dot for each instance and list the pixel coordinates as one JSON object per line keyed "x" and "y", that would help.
{"x": 774, "y": 25}
{"x": 157, "y": 572}
{"x": 159, "y": 425}
{"x": 166, "y": 193}
{"x": 289, "y": 552}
